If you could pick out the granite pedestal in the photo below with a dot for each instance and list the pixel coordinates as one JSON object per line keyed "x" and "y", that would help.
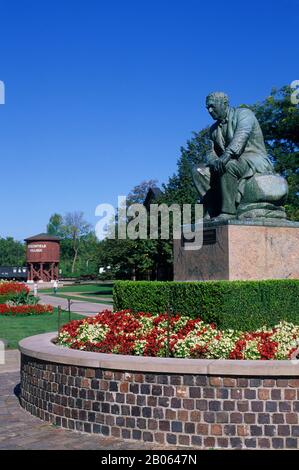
{"x": 241, "y": 250}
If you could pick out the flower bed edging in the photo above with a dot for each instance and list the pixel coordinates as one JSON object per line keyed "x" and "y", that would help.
{"x": 191, "y": 402}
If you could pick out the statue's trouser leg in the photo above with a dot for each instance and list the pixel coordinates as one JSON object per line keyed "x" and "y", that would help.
{"x": 234, "y": 171}
{"x": 202, "y": 181}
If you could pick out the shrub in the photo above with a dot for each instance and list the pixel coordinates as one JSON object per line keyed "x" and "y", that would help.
{"x": 245, "y": 305}
{"x": 23, "y": 298}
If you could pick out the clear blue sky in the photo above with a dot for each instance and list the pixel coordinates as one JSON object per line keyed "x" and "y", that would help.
{"x": 100, "y": 95}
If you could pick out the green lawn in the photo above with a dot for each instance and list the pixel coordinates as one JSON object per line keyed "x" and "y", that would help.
{"x": 13, "y": 329}
{"x": 86, "y": 289}
{"x": 88, "y": 292}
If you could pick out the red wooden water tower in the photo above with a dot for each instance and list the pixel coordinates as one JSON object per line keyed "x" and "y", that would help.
{"x": 43, "y": 256}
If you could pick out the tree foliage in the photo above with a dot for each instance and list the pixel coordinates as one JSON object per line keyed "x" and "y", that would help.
{"x": 12, "y": 252}
{"x": 135, "y": 259}
{"x": 180, "y": 188}
{"x": 138, "y": 193}
{"x": 78, "y": 243}
{"x": 55, "y": 225}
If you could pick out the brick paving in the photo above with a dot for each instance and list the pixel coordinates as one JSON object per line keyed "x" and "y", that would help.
{"x": 21, "y": 431}
{"x": 11, "y": 361}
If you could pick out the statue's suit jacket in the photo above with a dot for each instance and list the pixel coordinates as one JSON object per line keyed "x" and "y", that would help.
{"x": 240, "y": 136}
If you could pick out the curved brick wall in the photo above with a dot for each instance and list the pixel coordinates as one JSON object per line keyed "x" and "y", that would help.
{"x": 205, "y": 404}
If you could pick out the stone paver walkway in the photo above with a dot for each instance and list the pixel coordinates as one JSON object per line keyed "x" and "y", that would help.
{"x": 21, "y": 431}
{"x": 77, "y": 306}
{"x": 87, "y": 297}
{"x": 12, "y": 361}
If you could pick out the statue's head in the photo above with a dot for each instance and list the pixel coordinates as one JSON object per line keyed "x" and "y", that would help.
{"x": 217, "y": 104}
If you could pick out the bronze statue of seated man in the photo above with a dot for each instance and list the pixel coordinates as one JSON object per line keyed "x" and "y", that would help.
{"x": 237, "y": 153}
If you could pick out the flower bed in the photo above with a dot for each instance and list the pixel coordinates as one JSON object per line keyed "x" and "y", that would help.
{"x": 16, "y": 300}
{"x": 11, "y": 291}
{"x": 144, "y": 334}
{"x": 23, "y": 310}
{"x": 11, "y": 287}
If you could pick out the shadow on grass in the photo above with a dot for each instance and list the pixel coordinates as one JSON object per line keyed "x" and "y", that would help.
{"x": 99, "y": 293}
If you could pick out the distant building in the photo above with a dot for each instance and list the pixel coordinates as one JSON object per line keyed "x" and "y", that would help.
{"x": 43, "y": 256}
{"x": 151, "y": 197}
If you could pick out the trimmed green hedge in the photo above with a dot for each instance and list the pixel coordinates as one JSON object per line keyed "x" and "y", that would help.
{"x": 245, "y": 305}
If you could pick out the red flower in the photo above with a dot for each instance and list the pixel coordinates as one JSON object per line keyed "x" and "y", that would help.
{"x": 125, "y": 327}
{"x": 13, "y": 288}
{"x": 25, "y": 309}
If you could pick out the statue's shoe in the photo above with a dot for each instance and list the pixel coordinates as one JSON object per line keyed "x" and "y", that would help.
{"x": 222, "y": 217}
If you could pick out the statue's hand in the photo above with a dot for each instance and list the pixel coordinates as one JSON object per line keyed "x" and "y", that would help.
{"x": 218, "y": 166}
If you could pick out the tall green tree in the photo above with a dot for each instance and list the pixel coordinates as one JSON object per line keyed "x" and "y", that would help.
{"x": 180, "y": 188}
{"x": 55, "y": 225}
{"x": 88, "y": 262}
{"x": 75, "y": 229}
{"x": 12, "y": 252}
{"x": 78, "y": 243}
{"x": 134, "y": 259}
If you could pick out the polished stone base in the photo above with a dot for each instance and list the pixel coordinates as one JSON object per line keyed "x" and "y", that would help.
{"x": 241, "y": 250}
